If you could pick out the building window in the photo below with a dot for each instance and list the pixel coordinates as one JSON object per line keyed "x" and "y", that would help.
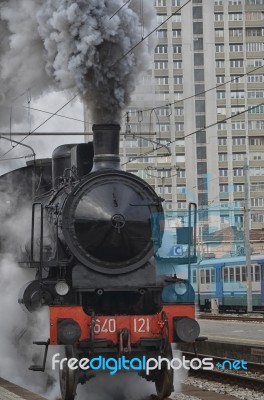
{"x": 220, "y": 95}
{"x": 161, "y": 64}
{"x": 237, "y": 109}
{"x": 220, "y": 79}
{"x": 177, "y": 49}
{"x": 257, "y": 217}
{"x": 254, "y": 46}
{"x": 176, "y": 33}
{"x": 231, "y": 274}
{"x": 254, "y": 62}
{"x": 255, "y": 78}
{"x": 238, "y": 188}
{"x": 222, "y": 172}
{"x": 176, "y": 3}
{"x": 235, "y": 47}
{"x": 257, "y": 201}
{"x": 161, "y": 18}
{"x": 238, "y": 172}
{"x": 238, "y": 141}
{"x": 181, "y": 204}
{"x": 219, "y": 16}
{"x": 161, "y": 49}
{"x": 219, "y": 33}
{"x": 235, "y": 17}
{"x": 238, "y": 156}
{"x": 179, "y": 126}
{"x": 254, "y": 32}
{"x": 221, "y": 126}
{"x": 220, "y": 63}
{"x": 160, "y": 3}
{"x": 236, "y": 63}
{"x": 238, "y": 125}
{"x": 254, "y": 15}
{"x": 222, "y": 141}
{"x": 221, "y": 110}
{"x": 178, "y": 80}
{"x": 223, "y": 188}
{"x": 178, "y": 112}
{"x": 177, "y": 64}
{"x": 219, "y": 48}
{"x": 181, "y": 173}
{"x": 222, "y": 156}
{"x": 235, "y": 32}
{"x": 253, "y": 2}
{"x": 256, "y": 125}
{"x": 255, "y": 141}
{"x": 255, "y": 94}
{"x": 162, "y": 33}
{"x": 176, "y": 18}
{"x": 225, "y": 271}
{"x": 237, "y": 94}
{"x": 162, "y": 80}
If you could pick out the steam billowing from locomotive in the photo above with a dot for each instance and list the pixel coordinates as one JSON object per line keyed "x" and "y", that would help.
{"x": 68, "y": 44}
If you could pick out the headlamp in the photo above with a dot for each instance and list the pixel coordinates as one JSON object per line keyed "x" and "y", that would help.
{"x": 180, "y": 288}
{"x": 62, "y": 288}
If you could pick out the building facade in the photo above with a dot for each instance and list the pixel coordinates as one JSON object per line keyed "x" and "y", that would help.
{"x": 181, "y": 132}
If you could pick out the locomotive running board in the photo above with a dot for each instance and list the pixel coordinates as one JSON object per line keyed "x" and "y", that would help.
{"x": 41, "y": 368}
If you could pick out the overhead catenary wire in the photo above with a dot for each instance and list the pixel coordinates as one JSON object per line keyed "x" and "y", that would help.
{"x": 128, "y": 1}
{"x": 39, "y": 126}
{"x": 197, "y": 94}
{"x": 194, "y": 132}
{"x": 150, "y": 33}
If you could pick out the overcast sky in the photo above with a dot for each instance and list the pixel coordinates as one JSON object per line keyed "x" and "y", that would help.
{"x": 43, "y": 146}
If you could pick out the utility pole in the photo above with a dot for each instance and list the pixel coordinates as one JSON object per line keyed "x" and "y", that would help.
{"x": 247, "y": 236}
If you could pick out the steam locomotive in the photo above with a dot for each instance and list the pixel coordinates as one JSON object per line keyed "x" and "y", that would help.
{"x": 94, "y": 237}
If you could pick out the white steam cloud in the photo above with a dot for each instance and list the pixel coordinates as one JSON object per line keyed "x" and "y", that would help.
{"x": 67, "y": 44}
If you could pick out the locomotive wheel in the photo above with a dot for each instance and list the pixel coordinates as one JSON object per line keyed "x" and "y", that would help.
{"x": 164, "y": 377}
{"x": 68, "y": 377}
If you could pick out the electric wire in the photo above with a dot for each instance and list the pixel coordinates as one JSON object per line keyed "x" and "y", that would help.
{"x": 197, "y": 94}
{"x": 150, "y": 33}
{"x": 194, "y": 132}
{"x": 34, "y": 130}
{"x": 120, "y": 9}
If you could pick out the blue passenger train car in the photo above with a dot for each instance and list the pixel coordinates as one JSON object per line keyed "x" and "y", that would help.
{"x": 225, "y": 279}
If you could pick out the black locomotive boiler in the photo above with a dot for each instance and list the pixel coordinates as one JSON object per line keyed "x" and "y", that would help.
{"x": 93, "y": 241}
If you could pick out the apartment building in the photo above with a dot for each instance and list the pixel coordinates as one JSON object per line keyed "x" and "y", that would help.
{"x": 182, "y": 133}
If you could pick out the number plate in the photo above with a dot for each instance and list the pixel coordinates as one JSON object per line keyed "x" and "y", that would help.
{"x": 109, "y": 325}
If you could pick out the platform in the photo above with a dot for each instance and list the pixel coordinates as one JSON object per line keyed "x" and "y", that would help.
{"x": 10, "y": 391}
{"x": 251, "y": 333}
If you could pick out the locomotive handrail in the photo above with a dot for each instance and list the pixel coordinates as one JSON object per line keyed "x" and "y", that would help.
{"x": 41, "y": 235}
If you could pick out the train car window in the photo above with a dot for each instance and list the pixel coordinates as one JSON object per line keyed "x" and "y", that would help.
{"x": 231, "y": 274}
{"x": 207, "y": 275}
{"x": 244, "y": 275}
{"x": 238, "y": 274}
{"x": 257, "y": 273}
{"x": 194, "y": 276}
{"x": 225, "y": 274}
{"x": 202, "y": 276}
{"x": 213, "y": 275}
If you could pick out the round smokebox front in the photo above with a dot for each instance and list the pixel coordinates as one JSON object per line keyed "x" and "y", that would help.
{"x": 107, "y": 222}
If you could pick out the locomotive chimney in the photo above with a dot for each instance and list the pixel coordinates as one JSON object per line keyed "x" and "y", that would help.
{"x": 106, "y": 146}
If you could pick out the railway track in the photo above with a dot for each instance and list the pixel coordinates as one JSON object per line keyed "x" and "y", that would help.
{"x": 253, "y": 378}
{"x": 231, "y": 318}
